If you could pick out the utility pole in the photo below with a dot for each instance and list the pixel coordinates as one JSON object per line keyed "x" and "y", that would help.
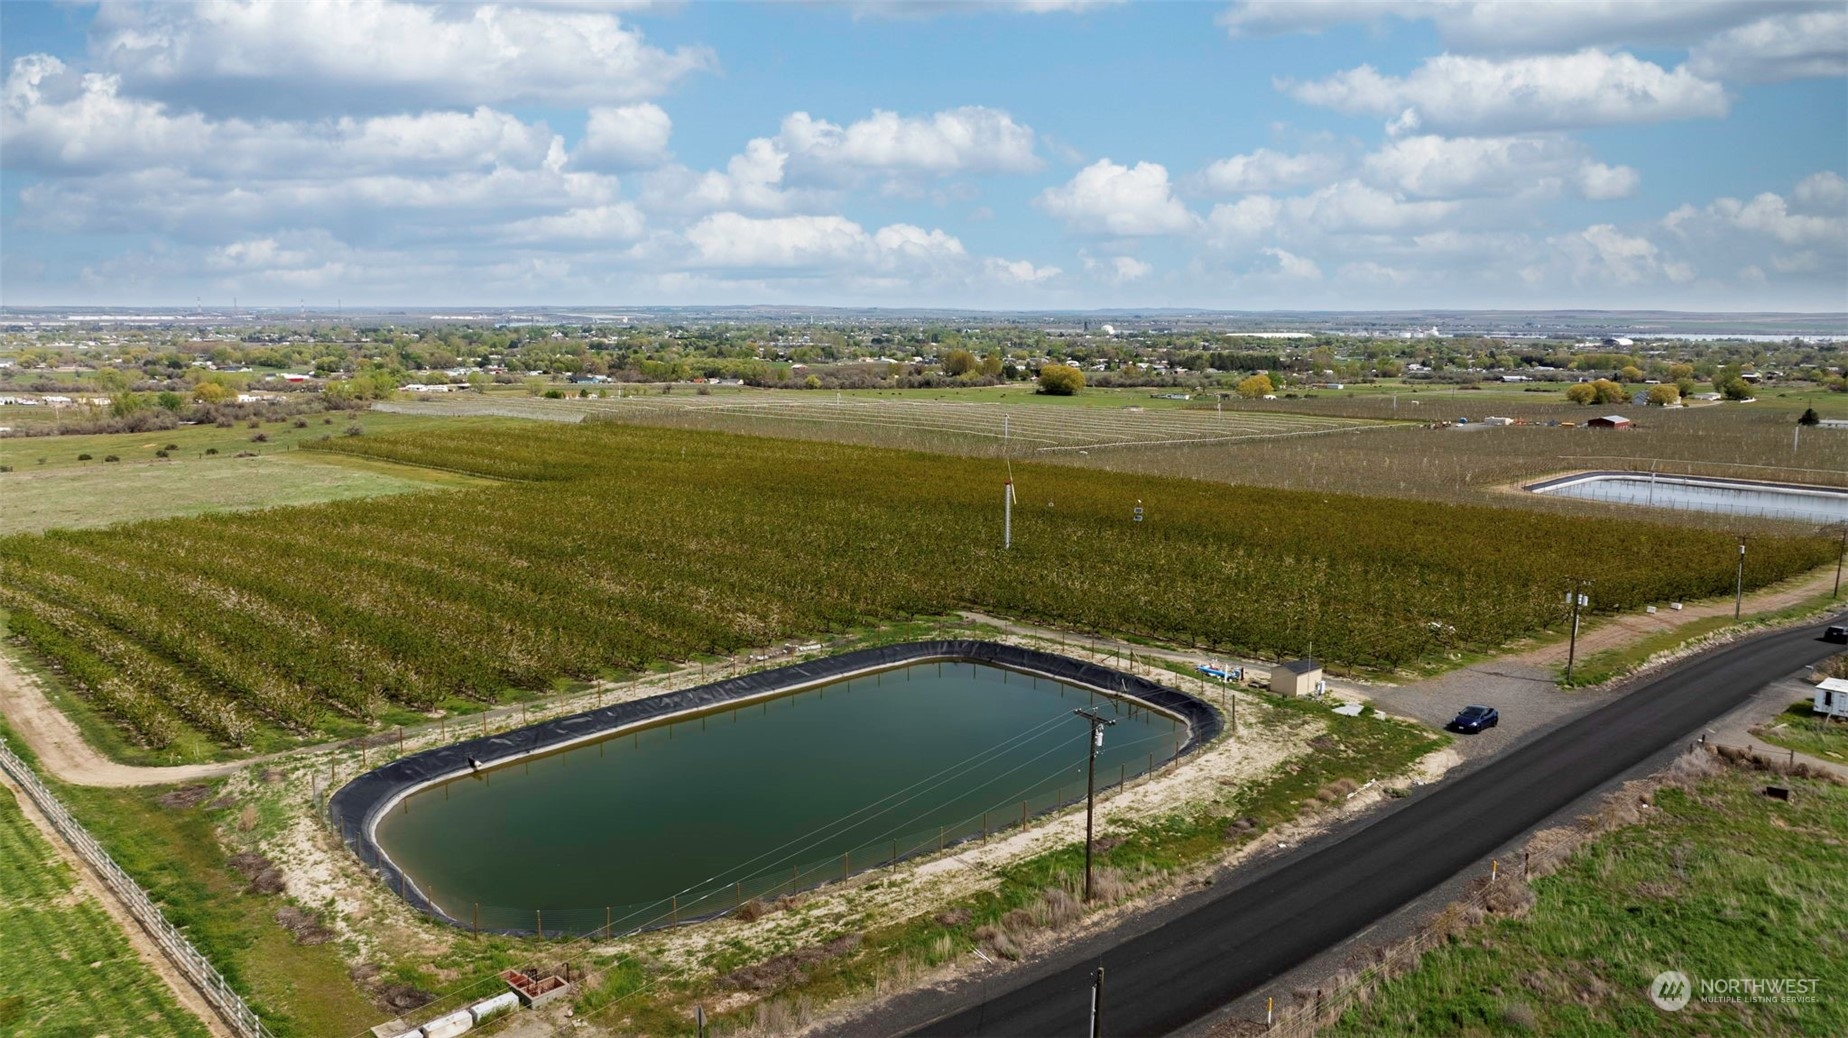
{"x": 1578, "y": 599}
{"x": 1096, "y": 742}
{"x": 1739, "y": 582}
{"x": 1838, "y": 563}
{"x": 1097, "y": 1003}
{"x": 1007, "y": 515}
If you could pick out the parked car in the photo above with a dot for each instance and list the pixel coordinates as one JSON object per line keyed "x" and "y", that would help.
{"x": 1475, "y": 719}
{"x": 1837, "y": 633}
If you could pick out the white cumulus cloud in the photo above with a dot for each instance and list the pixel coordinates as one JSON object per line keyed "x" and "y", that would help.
{"x": 1597, "y": 181}
{"x": 809, "y": 244}
{"x": 1267, "y": 170}
{"x": 1125, "y": 201}
{"x": 1473, "y": 167}
{"x": 1787, "y": 46}
{"x": 1453, "y": 94}
{"x": 971, "y": 138}
{"x": 1243, "y": 221}
{"x": 1351, "y": 207}
{"x": 290, "y": 57}
{"x": 55, "y": 120}
{"x": 1291, "y": 265}
{"x": 627, "y": 137}
{"x": 1019, "y": 272}
{"x": 1514, "y": 26}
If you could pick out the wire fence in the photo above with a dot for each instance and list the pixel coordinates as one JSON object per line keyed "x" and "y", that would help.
{"x": 200, "y": 973}
{"x": 1324, "y": 1006}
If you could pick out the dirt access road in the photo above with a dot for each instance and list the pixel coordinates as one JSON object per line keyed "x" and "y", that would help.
{"x": 62, "y": 750}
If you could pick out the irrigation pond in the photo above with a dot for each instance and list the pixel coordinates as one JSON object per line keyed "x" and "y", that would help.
{"x": 686, "y": 819}
{"x": 1694, "y": 493}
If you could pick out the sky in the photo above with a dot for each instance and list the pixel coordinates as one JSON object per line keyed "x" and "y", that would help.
{"x": 1017, "y": 154}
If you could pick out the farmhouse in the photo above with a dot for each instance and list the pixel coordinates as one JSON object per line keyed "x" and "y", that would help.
{"x": 1610, "y": 421}
{"x": 1296, "y": 677}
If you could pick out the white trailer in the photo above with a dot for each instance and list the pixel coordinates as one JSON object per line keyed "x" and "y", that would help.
{"x": 1832, "y": 699}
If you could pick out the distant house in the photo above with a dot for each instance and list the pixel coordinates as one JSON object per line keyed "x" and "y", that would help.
{"x": 1610, "y": 421}
{"x": 1296, "y": 677}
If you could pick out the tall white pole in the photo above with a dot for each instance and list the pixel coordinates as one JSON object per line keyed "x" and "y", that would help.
{"x": 1007, "y": 516}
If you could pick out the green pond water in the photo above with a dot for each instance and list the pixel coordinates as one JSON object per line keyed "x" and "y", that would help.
{"x": 683, "y": 820}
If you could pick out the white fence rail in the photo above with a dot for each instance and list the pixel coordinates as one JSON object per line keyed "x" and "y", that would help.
{"x": 232, "y": 1008}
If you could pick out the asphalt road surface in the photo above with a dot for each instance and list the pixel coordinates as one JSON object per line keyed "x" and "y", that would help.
{"x": 1164, "y": 978}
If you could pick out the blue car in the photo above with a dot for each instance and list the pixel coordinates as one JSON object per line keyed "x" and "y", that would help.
{"x": 1475, "y": 719}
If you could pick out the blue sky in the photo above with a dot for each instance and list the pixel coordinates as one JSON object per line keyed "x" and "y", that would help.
{"x": 1034, "y": 154}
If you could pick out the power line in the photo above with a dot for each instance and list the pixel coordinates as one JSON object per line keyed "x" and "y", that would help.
{"x": 676, "y": 974}
{"x": 945, "y": 774}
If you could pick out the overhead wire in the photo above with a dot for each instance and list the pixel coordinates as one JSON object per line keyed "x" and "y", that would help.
{"x": 676, "y": 974}
{"x": 942, "y": 775}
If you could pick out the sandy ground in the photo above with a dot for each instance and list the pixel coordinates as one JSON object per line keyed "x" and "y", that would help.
{"x": 145, "y": 948}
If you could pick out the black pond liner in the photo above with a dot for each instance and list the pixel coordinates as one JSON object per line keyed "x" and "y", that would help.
{"x": 355, "y": 808}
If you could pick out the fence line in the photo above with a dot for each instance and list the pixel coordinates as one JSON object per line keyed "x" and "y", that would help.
{"x": 199, "y": 972}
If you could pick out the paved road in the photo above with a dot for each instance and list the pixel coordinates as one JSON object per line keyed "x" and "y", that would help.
{"x": 1164, "y": 978}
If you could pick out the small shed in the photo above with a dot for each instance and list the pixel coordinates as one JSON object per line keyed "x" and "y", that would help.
{"x": 1832, "y": 698}
{"x": 1610, "y": 421}
{"x": 1296, "y": 677}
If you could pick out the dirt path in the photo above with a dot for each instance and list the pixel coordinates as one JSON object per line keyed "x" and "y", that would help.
{"x": 1623, "y": 629}
{"x": 62, "y": 749}
{"x": 189, "y": 998}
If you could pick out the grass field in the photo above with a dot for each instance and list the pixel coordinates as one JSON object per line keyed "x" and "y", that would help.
{"x": 69, "y": 971}
{"x": 40, "y": 453}
{"x": 73, "y": 497}
{"x": 1717, "y": 883}
{"x": 65, "y": 493}
{"x": 1800, "y": 728}
{"x": 613, "y": 547}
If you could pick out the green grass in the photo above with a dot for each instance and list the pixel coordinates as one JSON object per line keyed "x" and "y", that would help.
{"x": 74, "y": 497}
{"x": 49, "y": 488}
{"x": 68, "y": 971}
{"x": 24, "y": 452}
{"x": 1801, "y": 729}
{"x": 175, "y": 854}
{"x": 1719, "y": 883}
